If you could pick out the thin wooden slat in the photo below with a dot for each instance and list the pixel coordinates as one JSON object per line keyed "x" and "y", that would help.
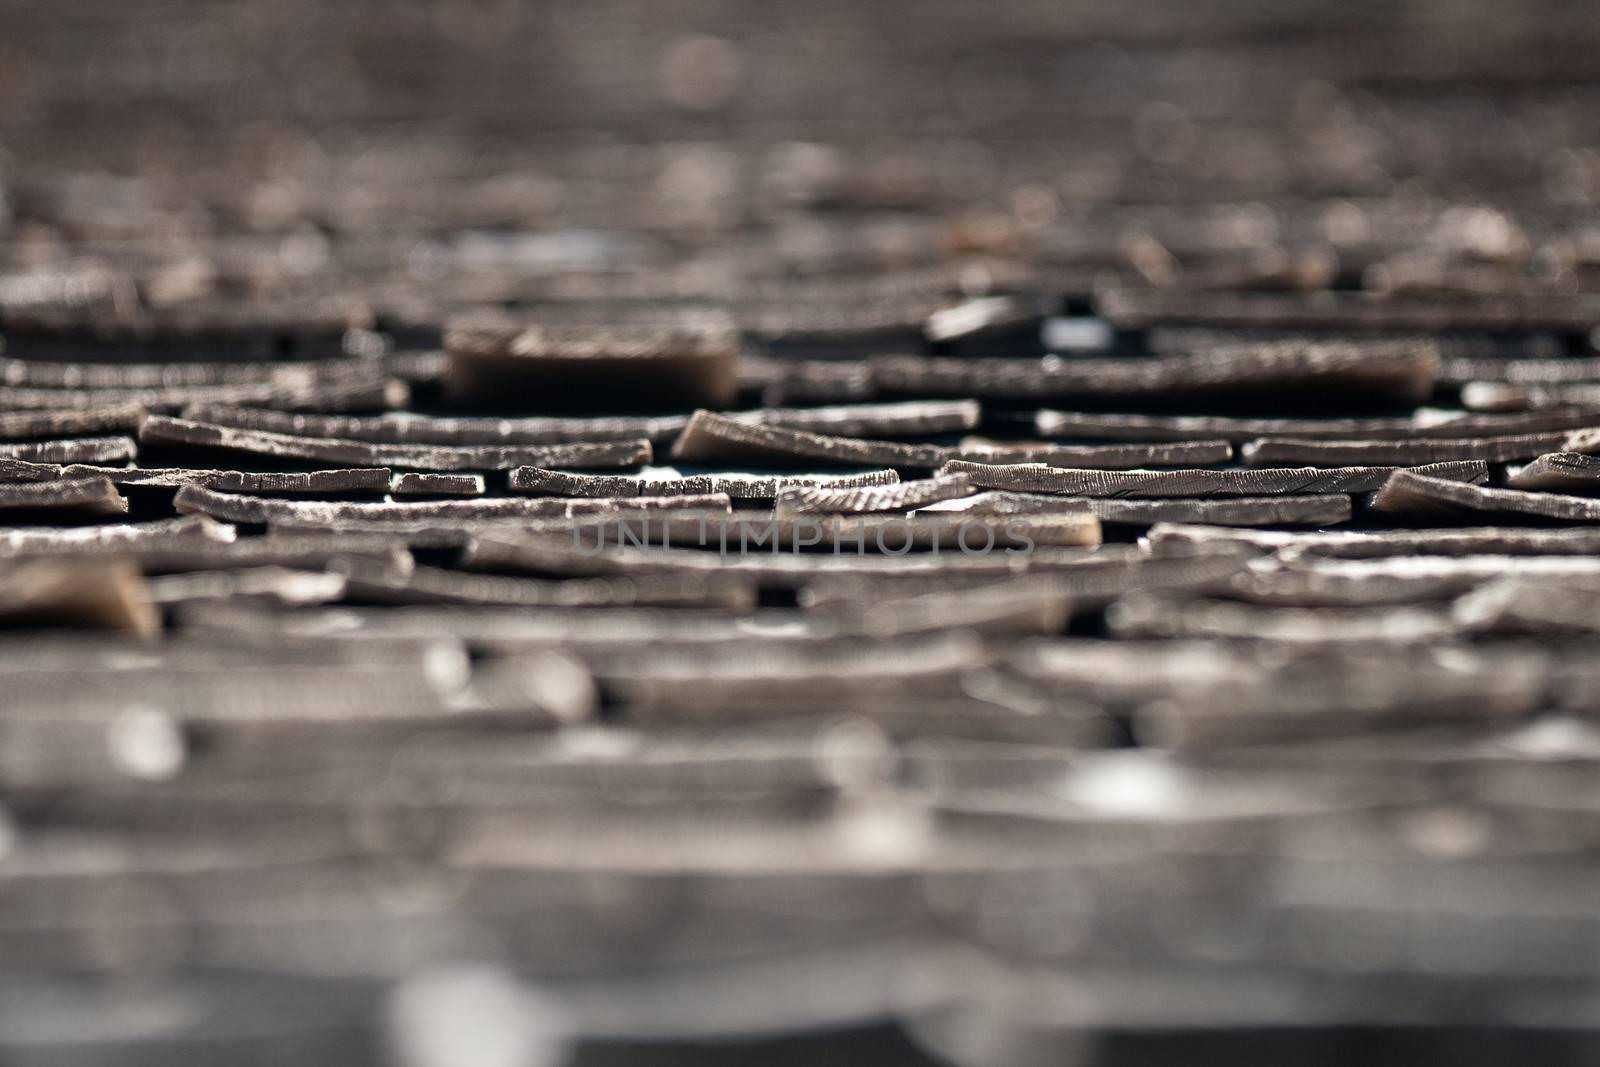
{"x": 1277, "y": 452}
{"x": 1037, "y": 477}
{"x": 1411, "y": 493}
{"x": 162, "y": 430}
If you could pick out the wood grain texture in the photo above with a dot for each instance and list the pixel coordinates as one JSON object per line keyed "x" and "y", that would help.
{"x": 363, "y": 480}
{"x": 1559, "y": 472}
{"x": 712, "y": 438}
{"x": 1107, "y": 457}
{"x": 902, "y": 496}
{"x": 1411, "y": 493}
{"x": 1289, "y": 510}
{"x": 1094, "y": 426}
{"x": 1399, "y": 375}
{"x": 85, "y": 496}
{"x": 1277, "y": 452}
{"x": 537, "y": 481}
{"x": 1037, "y": 477}
{"x": 162, "y": 430}
{"x": 73, "y": 450}
{"x": 235, "y": 507}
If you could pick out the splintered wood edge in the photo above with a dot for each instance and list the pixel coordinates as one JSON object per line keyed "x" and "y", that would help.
{"x": 710, "y": 437}
{"x": 899, "y": 496}
{"x": 24, "y": 470}
{"x": 426, "y": 483}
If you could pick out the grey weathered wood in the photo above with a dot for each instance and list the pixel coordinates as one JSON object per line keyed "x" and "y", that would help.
{"x": 379, "y": 393}
{"x": 1530, "y": 400}
{"x": 1139, "y": 308}
{"x": 908, "y": 418}
{"x": 1287, "y": 510}
{"x": 377, "y": 583}
{"x": 1453, "y": 343}
{"x": 749, "y": 534}
{"x": 1532, "y": 372}
{"x": 366, "y": 480}
{"x": 1395, "y": 374}
{"x": 234, "y": 507}
{"x": 282, "y": 586}
{"x": 185, "y": 551}
{"x": 497, "y": 550}
{"x": 407, "y": 428}
{"x": 1413, "y": 493}
{"x": 1482, "y": 540}
{"x": 160, "y": 429}
{"x": 88, "y": 496}
{"x": 1277, "y": 452}
{"x": 1586, "y": 441}
{"x": 795, "y": 679}
{"x": 43, "y": 540}
{"x": 73, "y": 450}
{"x": 112, "y": 418}
{"x": 411, "y": 483}
{"x": 1479, "y": 567}
{"x": 537, "y": 481}
{"x": 897, "y": 497}
{"x": 273, "y": 694}
{"x": 712, "y": 438}
{"x": 1109, "y": 457}
{"x": 1163, "y": 615}
{"x": 1010, "y": 606}
{"x": 1561, "y": 472}
{"x": 1317, "y": 587}
{"x": 1094, "y": 426}
{"x": 1038, "y": 477}
{"x": 1532, "y": 603}
{"x": 911, "y": 418}
{"x": 55, "y": 374}
{"x": 1191, "y": 692}
{"x": 1333, "y": 695}
{"x": 489, "y": 627}
{"x": 1087, "y": 583}
{"x": 21, "y": 470}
